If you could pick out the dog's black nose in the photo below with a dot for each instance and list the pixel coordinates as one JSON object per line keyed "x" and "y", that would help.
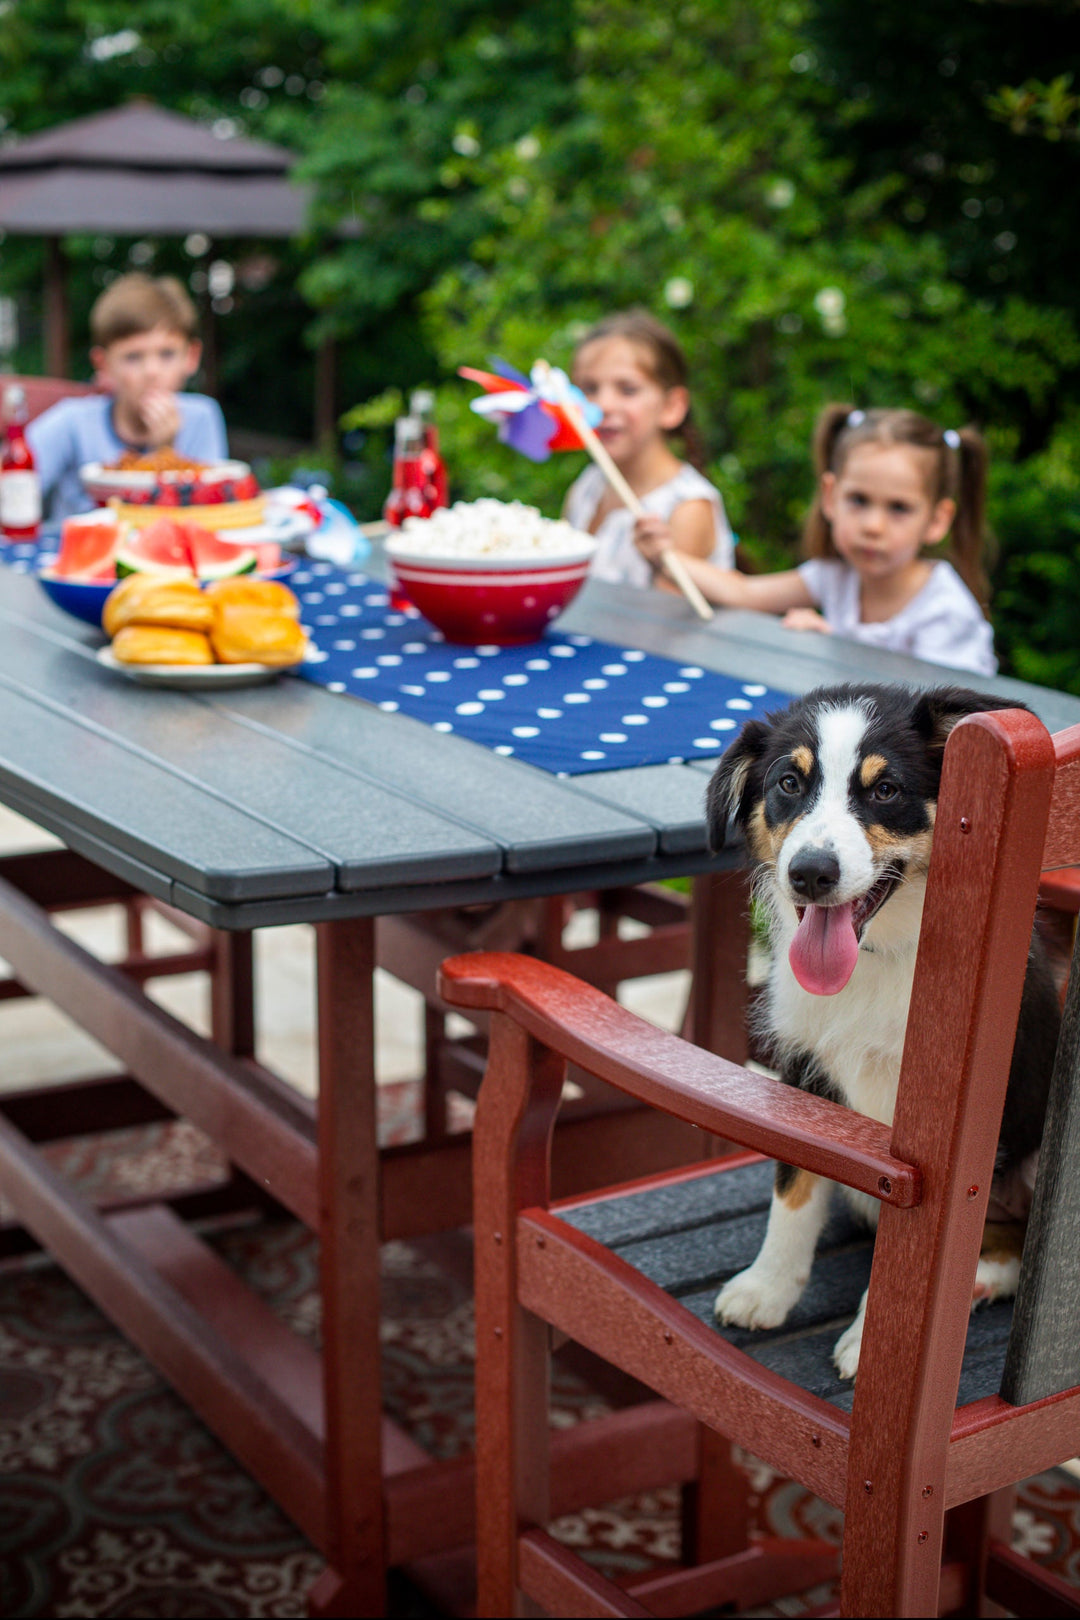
{"x": 814, "y": 873}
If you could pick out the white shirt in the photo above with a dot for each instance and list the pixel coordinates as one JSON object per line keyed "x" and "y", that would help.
{"x": 942, "y": 623}
{"x": 616, "y": 557}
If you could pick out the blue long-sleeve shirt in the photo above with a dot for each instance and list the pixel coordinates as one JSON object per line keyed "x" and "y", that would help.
{"x": 76, "y": 431}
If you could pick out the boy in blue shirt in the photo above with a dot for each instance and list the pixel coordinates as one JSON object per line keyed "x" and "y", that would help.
{"x": 145, "y": 348}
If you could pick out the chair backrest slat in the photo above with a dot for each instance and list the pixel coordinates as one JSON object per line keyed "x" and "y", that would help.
{"x": 1063, "y": 834}
{"x": 42, "y": 392}
{"x": 1043, "y": 1357}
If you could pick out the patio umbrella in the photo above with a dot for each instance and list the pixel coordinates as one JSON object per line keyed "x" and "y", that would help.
{"x": 140, "y": 170}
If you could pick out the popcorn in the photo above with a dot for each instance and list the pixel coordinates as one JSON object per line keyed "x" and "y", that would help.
{"x": 490, "y": 528}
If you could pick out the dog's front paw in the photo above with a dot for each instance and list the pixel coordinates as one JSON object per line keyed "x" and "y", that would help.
{"x": 847, "y": 1347}
{"x": 995, "y": 1279}
{"x": 756, "y": 1299}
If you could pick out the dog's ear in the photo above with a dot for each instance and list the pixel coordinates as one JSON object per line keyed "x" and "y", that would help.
{"x": 935, "y": 713}
{"x": 725, "y": 801}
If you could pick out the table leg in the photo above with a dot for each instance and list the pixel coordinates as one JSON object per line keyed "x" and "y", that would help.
{"x": 232, "y": 992}
{"x": 354, "y": 1582}
{"x": 719, "y": 995}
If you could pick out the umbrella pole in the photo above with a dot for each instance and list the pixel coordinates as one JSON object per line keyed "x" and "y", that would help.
{"x": 57, "y": 346}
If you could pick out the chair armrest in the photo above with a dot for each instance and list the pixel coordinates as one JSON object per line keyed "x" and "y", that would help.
{"x": 589, "y": 1029}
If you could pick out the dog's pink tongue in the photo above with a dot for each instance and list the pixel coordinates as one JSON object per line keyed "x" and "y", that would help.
{"x": 824, "y": 951}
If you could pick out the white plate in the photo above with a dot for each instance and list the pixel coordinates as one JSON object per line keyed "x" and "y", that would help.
{"x": 282, "y": 524}
{"x": 203, "y": 676}
{"x": 95, "y": 474}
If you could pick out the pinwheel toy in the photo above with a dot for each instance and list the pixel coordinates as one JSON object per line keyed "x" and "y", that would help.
{"x": 544, "y": 412}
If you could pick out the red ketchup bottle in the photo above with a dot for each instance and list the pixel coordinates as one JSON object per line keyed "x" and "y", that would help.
{"x": 421, "y": 405}
{"x": 20, "y": 486}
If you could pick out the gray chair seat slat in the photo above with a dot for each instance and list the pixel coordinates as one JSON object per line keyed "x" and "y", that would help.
{"x": 689, "y": 1237}
{"x": 675, "y": 1207}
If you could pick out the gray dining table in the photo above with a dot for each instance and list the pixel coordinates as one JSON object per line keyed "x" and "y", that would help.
{"x": 254, "y": 807}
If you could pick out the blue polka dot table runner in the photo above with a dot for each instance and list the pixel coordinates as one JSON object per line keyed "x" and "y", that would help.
{"x": 568, "y": 703}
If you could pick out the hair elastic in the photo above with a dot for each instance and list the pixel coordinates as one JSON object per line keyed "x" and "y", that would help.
{"x": 855, "y": 418}
{"x": 952, "y": 438}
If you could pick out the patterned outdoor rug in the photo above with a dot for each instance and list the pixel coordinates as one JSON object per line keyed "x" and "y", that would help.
{"x": 115, "y": 1501}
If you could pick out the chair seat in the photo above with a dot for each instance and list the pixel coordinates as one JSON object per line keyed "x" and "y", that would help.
{"x": 688, "y": 1236}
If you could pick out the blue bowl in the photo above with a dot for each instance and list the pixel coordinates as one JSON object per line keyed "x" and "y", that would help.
{"x": 82, "y": 601}
{"x": 87, "y": 602}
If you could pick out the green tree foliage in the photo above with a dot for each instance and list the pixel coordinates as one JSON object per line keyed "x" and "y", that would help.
{"x": 250, "y": 67}
{"x": 384, "y": 104}
{"x": 965, "y": 103}
{"x": 694, "y": 178}
{"x": 415, "y": 94}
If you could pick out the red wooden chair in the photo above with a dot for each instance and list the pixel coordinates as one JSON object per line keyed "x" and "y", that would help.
{"x": 413, "y": 947}
{"x": 41, "y": 392}
{"x": 950, "y": 1408}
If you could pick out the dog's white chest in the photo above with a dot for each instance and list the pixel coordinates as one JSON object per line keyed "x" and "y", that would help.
{"x": 857, "y": 1036}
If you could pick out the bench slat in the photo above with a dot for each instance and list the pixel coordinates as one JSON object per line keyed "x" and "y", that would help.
{"x": 1044, "y": 1350}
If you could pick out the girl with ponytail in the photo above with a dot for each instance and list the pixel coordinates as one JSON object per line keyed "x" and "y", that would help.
{"x": 892, "y": 485}
{"x": 634, "y": 368}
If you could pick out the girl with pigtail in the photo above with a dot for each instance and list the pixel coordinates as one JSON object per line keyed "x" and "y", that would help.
{"x": 891, "y": 484}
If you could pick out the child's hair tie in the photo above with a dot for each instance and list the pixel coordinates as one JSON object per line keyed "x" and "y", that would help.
{"x": 855, "y": 418}
{"x": 952, "y": 438}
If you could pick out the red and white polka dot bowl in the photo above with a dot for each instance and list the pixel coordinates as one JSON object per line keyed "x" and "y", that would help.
{"x": 503, "y": 601}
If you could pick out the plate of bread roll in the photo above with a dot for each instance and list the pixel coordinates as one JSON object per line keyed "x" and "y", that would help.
{"x": 232, "y": 632}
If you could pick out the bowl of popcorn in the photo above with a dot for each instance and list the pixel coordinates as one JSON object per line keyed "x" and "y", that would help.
{"x": 489, "y": 572}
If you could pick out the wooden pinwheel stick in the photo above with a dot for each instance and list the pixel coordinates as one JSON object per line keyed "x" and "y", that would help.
{"x": 671, "y": 562}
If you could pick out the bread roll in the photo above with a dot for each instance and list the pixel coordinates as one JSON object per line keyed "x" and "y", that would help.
{"x": 243, "y": 591}
{"x": 141, "y": 599}
{"x": 243, "y": 635}
{"x": 161, "y": 644}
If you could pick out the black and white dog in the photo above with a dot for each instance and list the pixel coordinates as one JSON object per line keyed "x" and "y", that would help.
{"x": 835, "y": 797}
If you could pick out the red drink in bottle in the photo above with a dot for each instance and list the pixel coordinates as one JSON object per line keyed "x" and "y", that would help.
{"x": 20, "y": 486}
{"x": 421, "y": 405}
{"x": 410, "y": 494}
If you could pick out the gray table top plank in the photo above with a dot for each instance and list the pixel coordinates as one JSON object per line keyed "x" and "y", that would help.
{"x": 426, "y": 897}
{"x": 650, "y": 810}
{"x": 537, "y": 819}
{"x": 119, "y": 862}
{"x": 370, "y": 836}
{"x": 756, "y": 647}
{"x": 671, "y": 797}
{"x": 61, "y": 771}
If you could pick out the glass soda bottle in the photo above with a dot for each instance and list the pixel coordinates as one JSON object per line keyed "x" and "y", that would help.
{"x": 421, "y": 405}
{"x": 20, "y": 486}
{"x": 411, "y": 494}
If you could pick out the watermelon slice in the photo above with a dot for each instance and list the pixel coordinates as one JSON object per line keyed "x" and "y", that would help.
{"x": 86, "y": 550}
{"x": 173, "y": 550}
{"x": 267, "y": 556}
